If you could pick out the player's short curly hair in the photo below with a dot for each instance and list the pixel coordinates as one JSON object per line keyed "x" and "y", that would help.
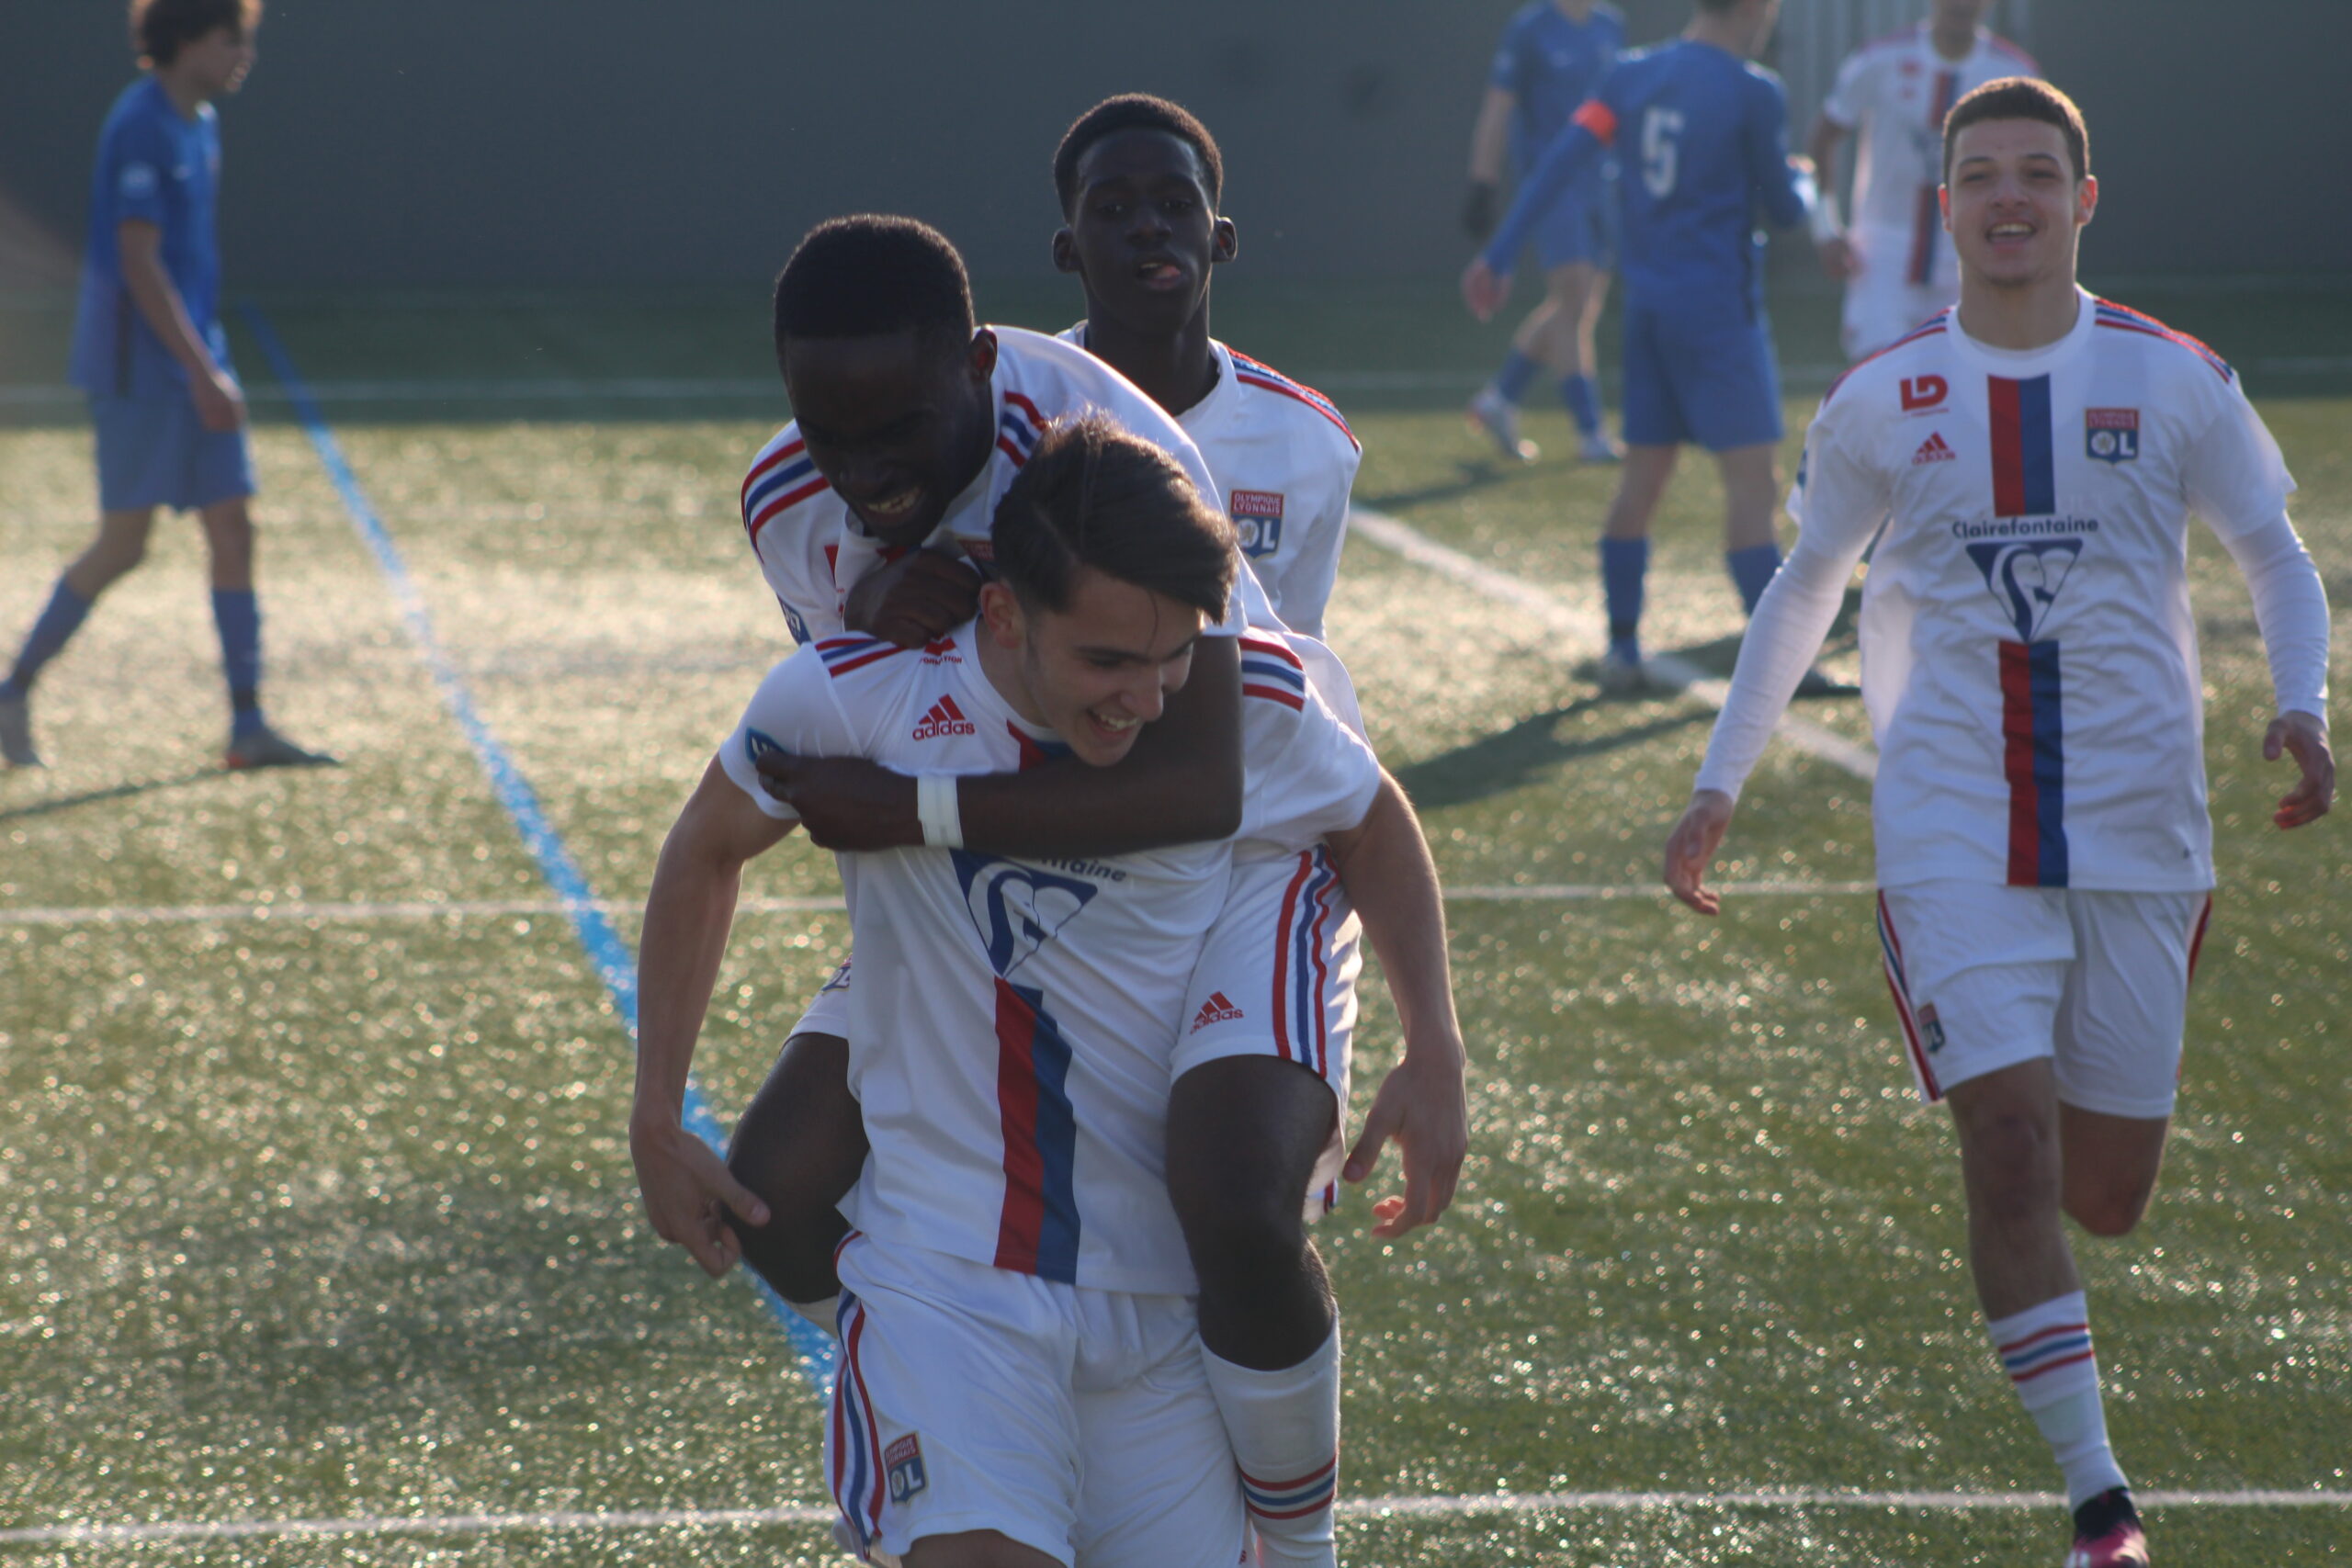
{"x": 1095, "y": 495}
{"x": 159, "y": 28}
{"x": 1133, "y": 111}
{"x": 2021, "y": 97}
{"x": 870, "y": 274}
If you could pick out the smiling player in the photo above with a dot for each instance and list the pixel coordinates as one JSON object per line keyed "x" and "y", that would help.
{"x": 2026, "y": 465}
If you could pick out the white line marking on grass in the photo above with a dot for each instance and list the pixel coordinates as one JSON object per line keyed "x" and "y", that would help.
{"x": 1794, "y": 1499}
{"x": 1548, "y": 611}
{"x": 427, "y": 909}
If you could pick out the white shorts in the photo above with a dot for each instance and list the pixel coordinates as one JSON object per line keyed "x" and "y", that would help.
{"x": 1881, "y": 302}
{"x": 1077, "y": 1422}
{"x": 1987, "y": 976}
{"x": 1277, "y": 977}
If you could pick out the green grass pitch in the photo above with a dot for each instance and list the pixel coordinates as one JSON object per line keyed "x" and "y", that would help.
{"x": 328, "y": 1215}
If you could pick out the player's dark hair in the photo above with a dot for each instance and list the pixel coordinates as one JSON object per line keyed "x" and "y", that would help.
{"x": 870, "y": 276}
{"x": 159, "y": 28}
{"x": 1133, "y": 111}
{"x": 1094, "y": 495}
{"x": 2021, "y": 97}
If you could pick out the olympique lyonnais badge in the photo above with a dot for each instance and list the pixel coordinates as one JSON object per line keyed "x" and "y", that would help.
{"x": 2111, "y": 436}
{"x": 903, "y": 1461}
{"x": 1258, "y": 518}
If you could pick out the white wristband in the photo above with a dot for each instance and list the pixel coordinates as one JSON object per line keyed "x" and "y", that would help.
{"x": 1824, "y": 217}
{"x": 936, "y": 808}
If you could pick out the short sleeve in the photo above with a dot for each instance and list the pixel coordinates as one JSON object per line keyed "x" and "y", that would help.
{"x": 795, "y": 710}
{"x": 140, "y": 164}
{"x": 2234, "y": 476}
{"x": 1848, "y": 96}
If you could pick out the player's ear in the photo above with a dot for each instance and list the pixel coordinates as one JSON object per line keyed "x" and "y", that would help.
{"x": 1001, "y": 613}
{"x": 1225, "y": 240}
{"x": 1943, "y": 201}
{"x": 1065, "y": 250}
{"x": 980, "y": 359}
{"x": 2085, "y": 199}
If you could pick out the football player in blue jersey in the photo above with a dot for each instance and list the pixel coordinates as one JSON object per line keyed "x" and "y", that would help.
{"x": 1553, "y": 55}
{"x": 1704, "y": 135}
{"x": 149, "y": 350}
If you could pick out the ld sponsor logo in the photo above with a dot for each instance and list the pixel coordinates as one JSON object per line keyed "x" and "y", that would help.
{"x": 1923, "y": 393}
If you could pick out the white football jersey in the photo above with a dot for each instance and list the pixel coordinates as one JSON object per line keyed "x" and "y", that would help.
{"x": 2028, "y": 657}
{"x": 1285, "y": 461}
{"x": 1012, "y": 1024}
{"x": 1897, "y": 90}
{"x": 811, "y": 548}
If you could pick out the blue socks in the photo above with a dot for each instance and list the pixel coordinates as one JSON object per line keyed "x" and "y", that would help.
{"x": 239, "y": 619}
{"x": 59, "y": 620}
{"x": 1512, "y": 381}
{"x": 1584, "y": 402}
{"x": 1752, "y": 570}
{"x": 1623, "y": 564}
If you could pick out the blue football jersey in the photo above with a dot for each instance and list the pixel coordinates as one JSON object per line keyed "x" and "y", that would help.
{"x": 1702, "y": 137}
{"x": 1549, "y": 63}
{"x": 155, "y": 165}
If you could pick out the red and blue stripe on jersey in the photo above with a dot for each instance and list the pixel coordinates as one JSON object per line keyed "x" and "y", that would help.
{"x": 1018, "y": 425}
{"x": 1302, "y": 974}
{"x": 1270, "y": 670}
{"x": 844, "y": 654}
{"x": 785, "y": 478}
{"x": 2033, "y": 729}
{"x": 857, "y": 1483}
{"x": 1898, "y": 981}
{"x": 2122, "y": 318}
{"x": 1252, "y": 373}
{"x": 1932, "y": 327}
{"x": 1037, "y": 1228}
{"x": 1927, "y": 218}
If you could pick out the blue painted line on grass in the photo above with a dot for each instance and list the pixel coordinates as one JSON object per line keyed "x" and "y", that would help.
{"x": 606, "y": 952}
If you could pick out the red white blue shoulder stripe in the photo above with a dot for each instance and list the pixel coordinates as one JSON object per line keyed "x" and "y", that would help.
{"x": 2122, "y": 318}
{"x": 844, "y": 654}
{"x": 1270, "y": 670}
{"x": 1934, "y": 326}
{"x": 1018, "y": 425}
{"x": 1252, "y": 373}
{"x": 782, "y": 476}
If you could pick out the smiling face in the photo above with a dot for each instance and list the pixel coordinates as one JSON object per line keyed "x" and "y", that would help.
{"x": 898, "y": 425}
{"x": 1096, "y": 671}
{"x": 1145, "y": 231}
{"x": 2012, "y": 204}
{"x": 215, "y": 65}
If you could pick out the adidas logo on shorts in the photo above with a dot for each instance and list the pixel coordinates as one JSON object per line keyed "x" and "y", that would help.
{"x": 1933, "y": 450}
{"x": 944, "y": 719}
{"x": 1218, "y": 1008}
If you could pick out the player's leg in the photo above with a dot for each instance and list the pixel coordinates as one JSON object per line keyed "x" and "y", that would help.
{"x": 219, "y": 484}
{"x": 1752, "y": 477}
{"x": 1580, "y": 386}
{"x": 119, "y": 546}
{"x": 975, "y": 1548}
{"x": 1495, "y": 411}
{"x": 1261, "y": 1074}
{"x": 799, "y": 1145}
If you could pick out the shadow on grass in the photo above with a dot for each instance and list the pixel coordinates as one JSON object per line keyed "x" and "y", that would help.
{"x": 112, "y": 792}
{"x": 1471, "y": 476}
{"x": 1526, "y": 752}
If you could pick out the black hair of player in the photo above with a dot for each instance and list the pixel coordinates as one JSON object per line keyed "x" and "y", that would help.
{"x": 2021, "y": 97}
{"x": 160, "y": 29}
{"x": 1094, "y": 495}
{"x": 870, "y": 276}
{"x": 1133, "y": 111}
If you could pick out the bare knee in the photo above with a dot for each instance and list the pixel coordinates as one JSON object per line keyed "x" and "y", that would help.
{"x": 2107, "y": 1203}
{"x": 1243, "y": 1137}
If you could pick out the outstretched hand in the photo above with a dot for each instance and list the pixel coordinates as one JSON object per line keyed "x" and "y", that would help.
{"x": 1421, "y": 1106}
{"x": 1691, "y": 849}
{"x": 1484, "y": 289}
{"x": 689, "y": 1193}
{"x": 2303, "y": 736}
{"x": 919, "y": 598}
{"x": 846, "y": 803}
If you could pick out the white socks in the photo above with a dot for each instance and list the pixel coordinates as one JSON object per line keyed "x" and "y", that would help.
{"x": 1284, "y": 1426}
{"x": 2046, "y": 1350}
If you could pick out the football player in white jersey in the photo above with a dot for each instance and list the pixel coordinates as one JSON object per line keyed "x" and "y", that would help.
{"x": 1248, "y": 1129}
{"x": 1022, "y": 1383}
{"x": 1139, "y": 178}
{"x": 1892, "y": 94}
{"x": 2026, "y": 464}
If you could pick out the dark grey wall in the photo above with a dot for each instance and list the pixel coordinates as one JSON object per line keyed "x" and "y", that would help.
{"x": 593, "y": 141}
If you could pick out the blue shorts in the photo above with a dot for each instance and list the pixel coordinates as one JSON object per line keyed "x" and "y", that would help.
{"x": 156, "y": 452}
{"x": 1576, "y": 230}
{"x": 1709, "y": 379}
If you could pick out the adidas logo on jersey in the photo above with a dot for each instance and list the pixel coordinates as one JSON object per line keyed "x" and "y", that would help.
{"x": 1933, "y": 450}
{"x": 1216, "y": 1009}
{"x": 944, "y": 719}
